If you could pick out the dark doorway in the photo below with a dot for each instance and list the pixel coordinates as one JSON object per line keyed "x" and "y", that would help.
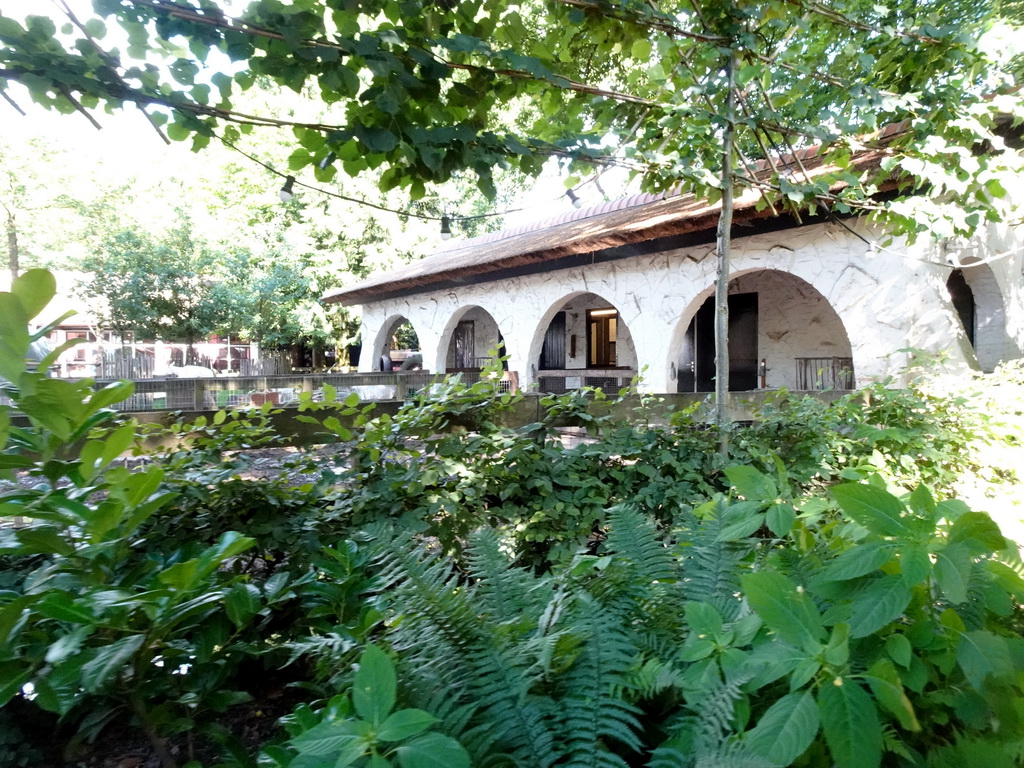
{"x": 963, "y": 301}
{"x": 697, "y": 359}
{"x": 602, "y": 337}
{"x": 465, "y": 345}
{"x": 552, "y": 354}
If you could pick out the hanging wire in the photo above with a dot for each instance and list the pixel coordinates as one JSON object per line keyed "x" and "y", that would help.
{"x": 291, "y": 181}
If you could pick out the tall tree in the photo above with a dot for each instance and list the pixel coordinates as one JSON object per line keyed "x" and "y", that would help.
{"x": 685, "y": 93}
{"x": 171, "y": 287}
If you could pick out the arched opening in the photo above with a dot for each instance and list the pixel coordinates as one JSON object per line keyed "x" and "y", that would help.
{"x": 474, "y": 341}
{"x": 782, "y": 333}
{"x": 978, "y": 304}
{"x": 582, "y": 342}
{"x": 962, "y": 296}
{"x": 397, "y": 347}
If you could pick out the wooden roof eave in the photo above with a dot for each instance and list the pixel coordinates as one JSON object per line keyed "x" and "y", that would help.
{"x": 667, "y": 217}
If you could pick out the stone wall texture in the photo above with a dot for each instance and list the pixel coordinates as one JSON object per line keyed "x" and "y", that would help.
{"x": 824, "y": 291}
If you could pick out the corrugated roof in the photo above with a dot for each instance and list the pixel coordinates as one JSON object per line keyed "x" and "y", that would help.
{"x": 625, "y": 221}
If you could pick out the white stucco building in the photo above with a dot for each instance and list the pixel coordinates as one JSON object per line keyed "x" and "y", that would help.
{"x": 598, "y": 295}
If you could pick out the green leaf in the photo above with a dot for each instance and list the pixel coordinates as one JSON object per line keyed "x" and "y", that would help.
{"x": 63, "y": 607}
{"x": 13, "y": 675}
{"x": 405, "y": 723}
{"x": 878, "y": 603}
{"x": 109, "y": 661}
{"x": 780, "y": 518}
{"x": 859, "y": 560}
{"x": 981, "y": 654}
{"x": 837, "y": 652}
{"x": 786, "y": 730}
{"x": 915, "y": 564}
{"x": 977, "y": 531}
{"x": 953, "y": 572}
{"x": 850, "y": 722}
{"x": 343, "y": 742}
{"x": 373, "y": 687}
{"x": 704, "y": 619}
{"x": 877, "y": 510}
{"x": 242, "y": 602}
{"x": 641, "y": 49}
{"x": 35, "y": 289}
{"x": 742, "y": 528}
{"x": 888, "y": 689}
{"x": 43, "y": 541}
{"x": 751, "y": 484}
{"x": 433, "y": 750}
{"x": 899, "y": 649}
{"x": 788, "y": 612}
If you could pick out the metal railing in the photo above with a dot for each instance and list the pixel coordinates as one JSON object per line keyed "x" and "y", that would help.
{"x": 561, "y": 381}
{"x": 821, "y": 373}
{"x": 246, "y": 391}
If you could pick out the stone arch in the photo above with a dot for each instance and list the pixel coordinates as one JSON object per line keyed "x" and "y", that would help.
{"x": 382, "y": 342}
{"x": 584, "y": 331}
{"x": 783, "y": 333}
{"x": 483, "y": 338}
{"x": 978, "y": 304}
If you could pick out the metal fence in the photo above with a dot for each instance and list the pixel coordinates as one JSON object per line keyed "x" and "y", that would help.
{"x": 560, "y": 382}
{"x": 245, "y": 391}
{"x": 821, "y": 373}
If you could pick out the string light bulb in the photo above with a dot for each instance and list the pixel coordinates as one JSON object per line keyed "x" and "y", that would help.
{"x": 446, "y": 228}
{"x": 574, "y": 199}
{"x": 286, "y": 194}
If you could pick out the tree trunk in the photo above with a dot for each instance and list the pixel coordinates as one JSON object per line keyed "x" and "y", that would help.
{"x": 12, "y": 246}
{"x": 723, "y": 245}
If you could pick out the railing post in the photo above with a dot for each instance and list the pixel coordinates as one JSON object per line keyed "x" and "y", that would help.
{"x": 400, "y": 387}
{"x": 199, "y": 394}
{"x": 307, "y": 384}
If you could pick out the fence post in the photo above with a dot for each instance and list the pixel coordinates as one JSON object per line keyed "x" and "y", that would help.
{"x": 198, "y": 394}
{"x": 307, "y": 384}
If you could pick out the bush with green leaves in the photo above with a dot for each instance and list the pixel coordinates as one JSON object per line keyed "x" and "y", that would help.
{"x": 816, "y": 597}
{"x": 880, "y": 638}
{"x": 98, "y": 622}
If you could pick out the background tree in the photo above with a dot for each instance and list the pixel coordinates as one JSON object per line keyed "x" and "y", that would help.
{"x": 171, "y": 287}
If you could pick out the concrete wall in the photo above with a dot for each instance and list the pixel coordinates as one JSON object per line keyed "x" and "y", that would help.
{"x": 815, "y": 283}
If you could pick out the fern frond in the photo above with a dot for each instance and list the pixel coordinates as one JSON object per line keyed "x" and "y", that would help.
{"x": 715, "y": 711}
{"x": 733, "y": 754}
{"x": 711, "y": 567}
{"x": 503, "y": 591}
{"x": 435, "y": 624}
{"x": 654, "y": 677}
{"x": 520, "y": 723}
{"x": 643, "y": 580}
{"x": 635, "y": 538}
{"x": 593, "y": 709}
{"x": 677, "y": 752}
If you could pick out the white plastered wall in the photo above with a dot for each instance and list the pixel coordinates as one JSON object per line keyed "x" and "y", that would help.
{"x": 888, "y": 300}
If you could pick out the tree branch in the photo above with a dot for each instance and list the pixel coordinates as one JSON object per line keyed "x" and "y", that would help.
{"x": 66, "y": 92}
{"x": 661, "y": 26}
{"x": 111, "y": 62}
{"x": 12, "y": 102}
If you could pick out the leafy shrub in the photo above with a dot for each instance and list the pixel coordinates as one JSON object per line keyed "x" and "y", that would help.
{"x": 98, "y": 621}
{"x": 880, "y": 639}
